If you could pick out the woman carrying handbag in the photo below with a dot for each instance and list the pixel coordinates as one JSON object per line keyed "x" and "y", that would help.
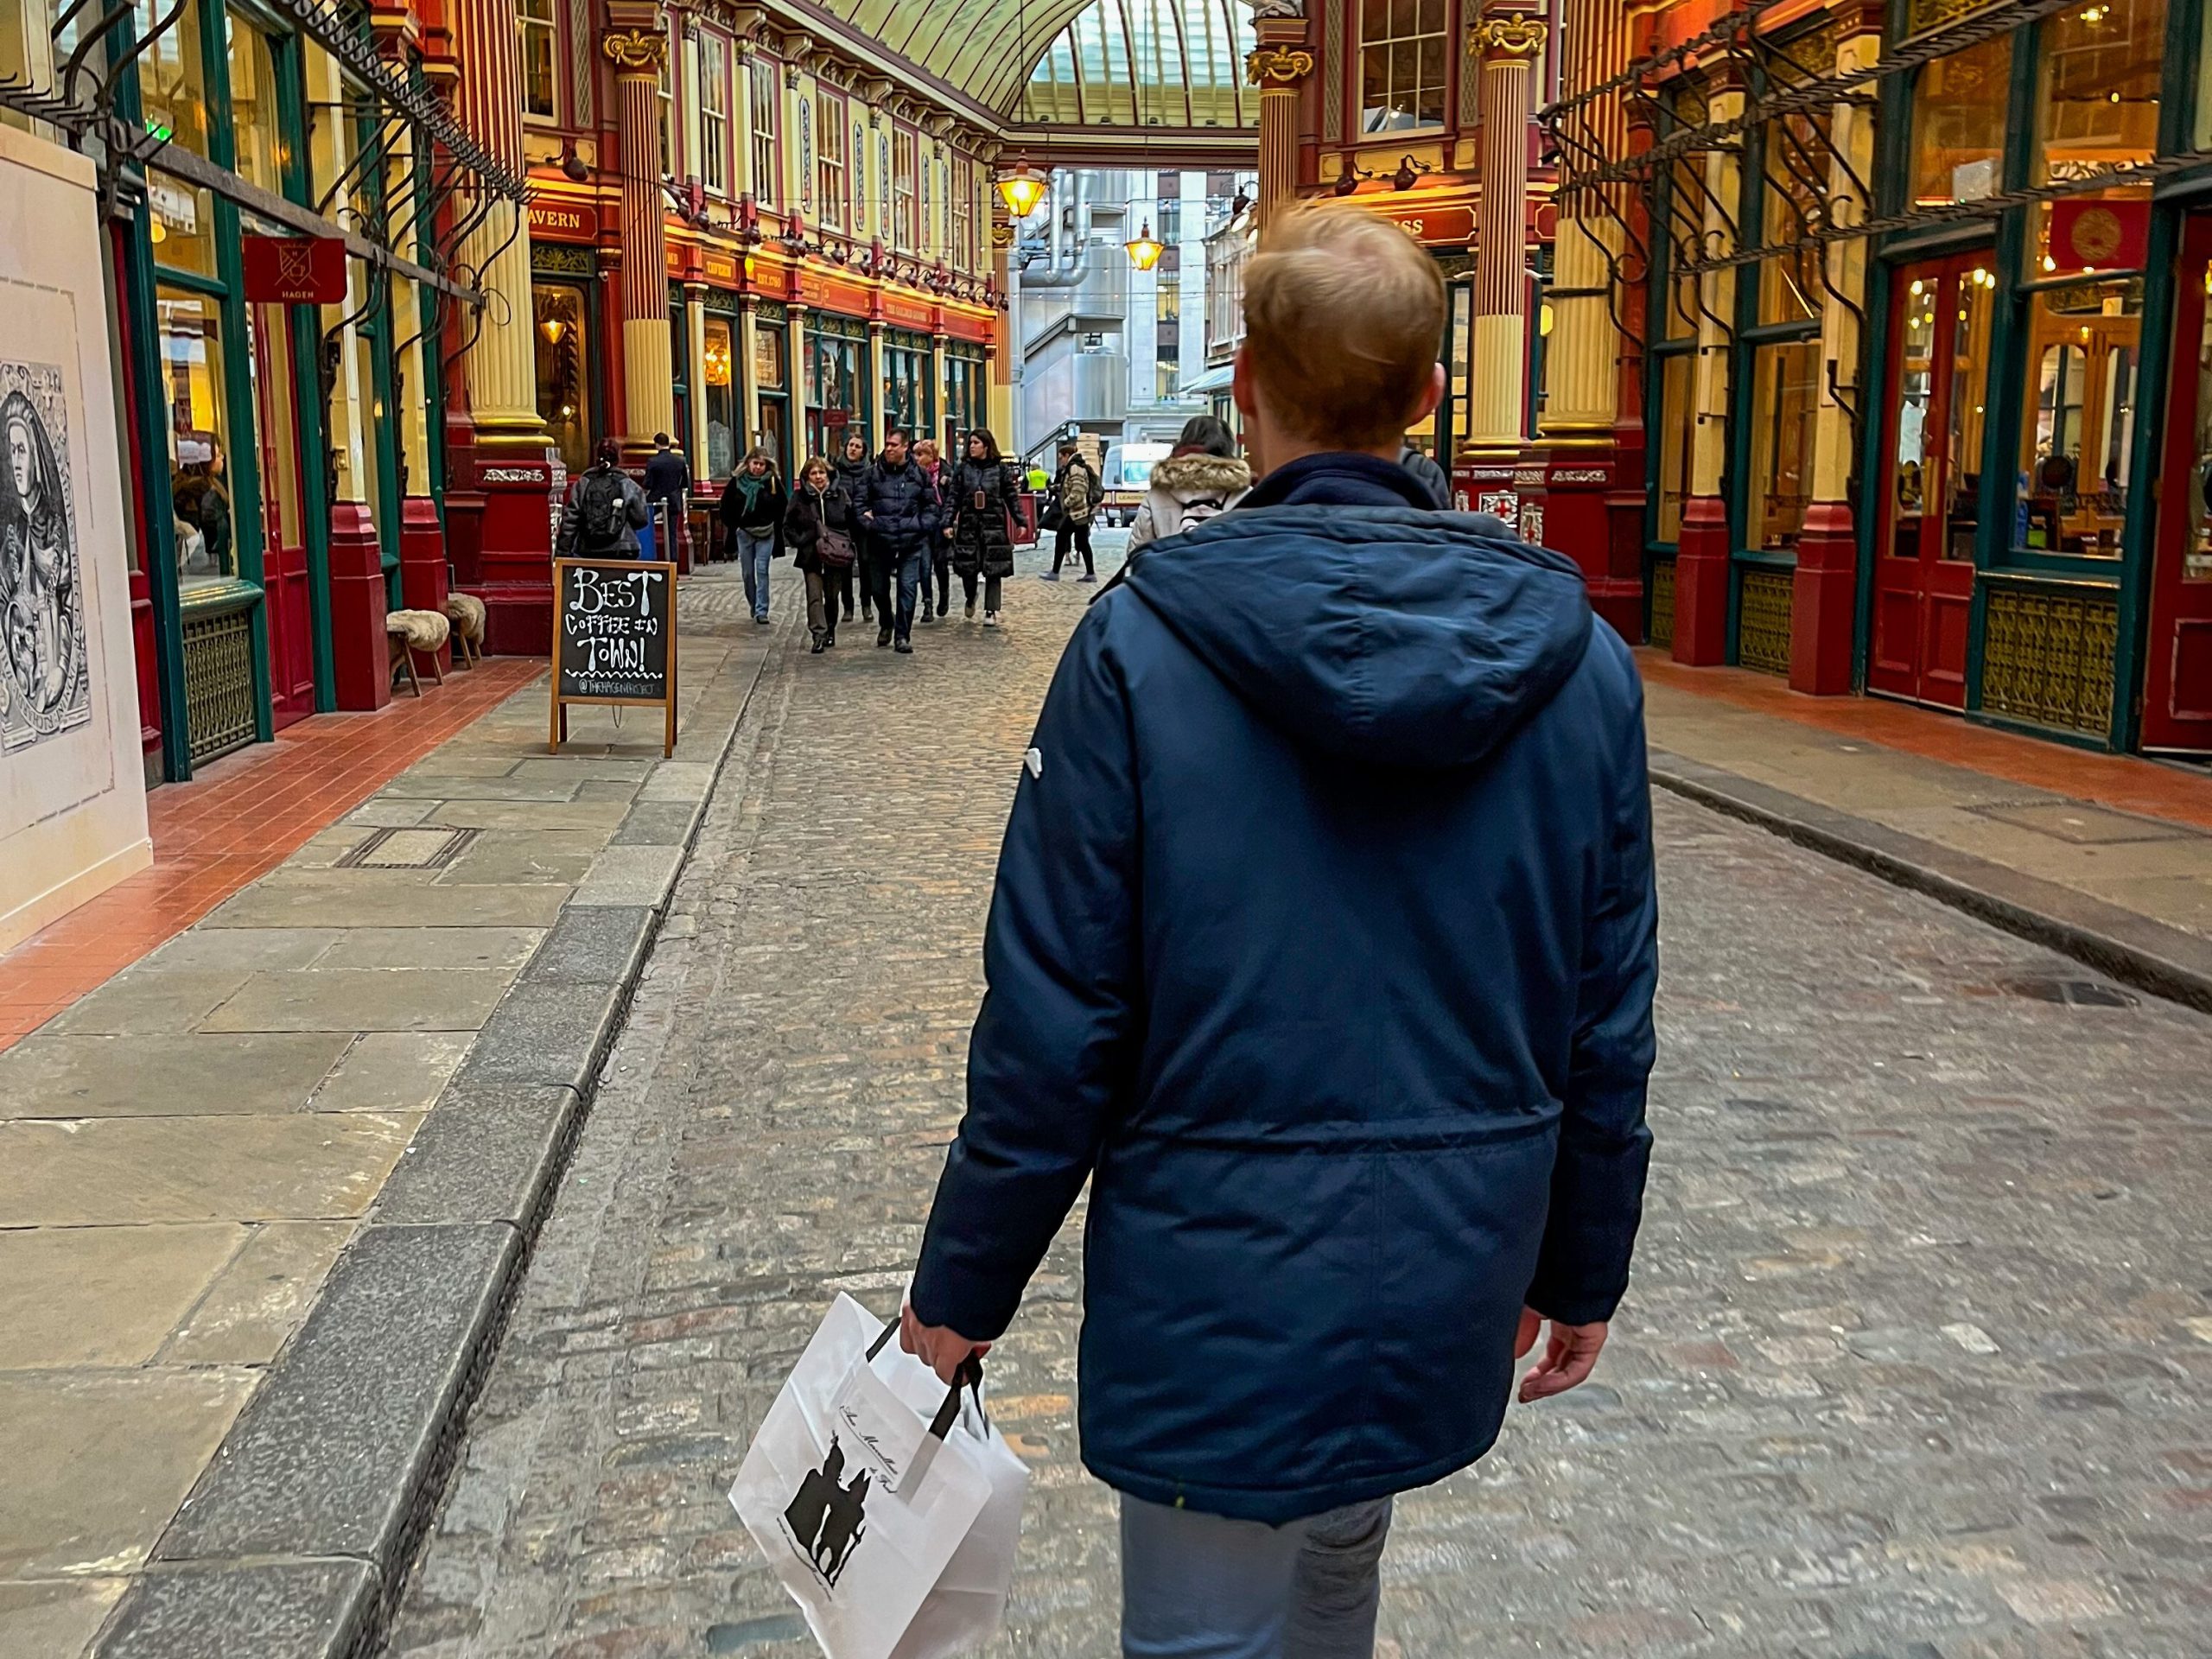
{"x": 819, "y": 528}
{"x": 979, "y": 499}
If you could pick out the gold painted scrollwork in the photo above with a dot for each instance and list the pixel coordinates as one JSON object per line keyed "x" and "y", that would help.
{"x": 641, "y": 51}
{"x": 1508, "y": 37}
{"x": 1277, "y": 66}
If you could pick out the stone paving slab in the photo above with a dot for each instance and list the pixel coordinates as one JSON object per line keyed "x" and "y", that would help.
{"x": 359, "y": 1332}
{"x": 189, "y": 1157}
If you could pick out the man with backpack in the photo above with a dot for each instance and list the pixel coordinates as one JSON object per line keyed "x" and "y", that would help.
{"x": 899, "y": 511}
{"x": 1204, "y": 478}
{"x": 1074, "y": 499}
{"x": 605, "y": 511}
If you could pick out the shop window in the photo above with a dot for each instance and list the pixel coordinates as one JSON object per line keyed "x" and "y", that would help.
{"x": 563, "y": 369}
{"x": 173, "y": 77}
{"x": 1785, "y": 402}
{"x": 2082, "y": 364}
{"x": 1790, "y": 210}
{"x": 768, "y": 357}
{"x": 183, "y": 223}
{"x": 263, "y": 153}
{"x": 965, "y": 254}
{"x": 906, "y": 232}
{"x": 713, "y": 114}
{"x": 665, "y": 97}
{"x": 2097, "y": 87}
{"x": 1677, "y": 427}
{"x": 829, "y": 160}
{"x": 718, "y": 372}
{"x": 195, "y": 382}
{"x": 1402, "y": 61}
{"x": 837, "y": 355}
{"x": 766, "y": 153}
{"x": 541, "y": 57}
{"x": 1959, "y": 106}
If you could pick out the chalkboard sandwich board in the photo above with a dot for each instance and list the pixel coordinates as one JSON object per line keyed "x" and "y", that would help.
{"x": 613, "y": 638}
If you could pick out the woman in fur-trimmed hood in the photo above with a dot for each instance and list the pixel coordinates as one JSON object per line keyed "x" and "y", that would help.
{"x": 1205, "y": 476}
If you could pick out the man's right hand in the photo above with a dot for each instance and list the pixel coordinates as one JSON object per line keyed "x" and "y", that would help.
{"x": 1568, "y": 1358}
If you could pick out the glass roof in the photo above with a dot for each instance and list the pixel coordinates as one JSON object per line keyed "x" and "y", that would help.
{"x": 1173, "y": 63}
{"x": 1180, "y": 61}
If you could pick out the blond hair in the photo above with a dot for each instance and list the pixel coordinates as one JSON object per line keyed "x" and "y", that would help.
{"x": 1343, "y": 314}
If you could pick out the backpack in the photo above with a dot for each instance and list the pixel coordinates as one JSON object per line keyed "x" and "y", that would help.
{"x": 1195, "y": 513}
{"x": 599, "y": 511}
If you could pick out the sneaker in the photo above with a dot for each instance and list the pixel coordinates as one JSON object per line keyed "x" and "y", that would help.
{"x": 1088, "y": 576}
{"x": 904, "y": 647}
{"x": 883, "y": 636}
{"x": 762, "y": 618}
{"x": 849, "y": 613}
{"x": 990, "y": 619}
{"x": 1049, "y": 576}
{"x": 928, "y": 615}
{"x": 972, "y": 610}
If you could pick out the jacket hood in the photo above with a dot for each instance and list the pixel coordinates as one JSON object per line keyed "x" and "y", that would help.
{"x": 1388, "y": 635}
{"x": 1195, "y": 478}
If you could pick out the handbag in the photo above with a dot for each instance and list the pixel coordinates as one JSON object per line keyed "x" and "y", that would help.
{"x": 887, "y": 1505}
{"x": 835, "y": 548}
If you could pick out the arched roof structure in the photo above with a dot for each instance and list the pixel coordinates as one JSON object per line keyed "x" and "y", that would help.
{"x": 1173, "y": 63}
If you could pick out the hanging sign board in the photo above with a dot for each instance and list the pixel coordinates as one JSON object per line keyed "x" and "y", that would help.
{"x": 2087, "y": 235}
{"x": 294, "y": 270}
{"x": 613, "y": 638}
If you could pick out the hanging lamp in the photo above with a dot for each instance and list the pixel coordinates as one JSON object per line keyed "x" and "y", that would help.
{"x": 1021, "y": 186}
{"x": 1144, "y": 250}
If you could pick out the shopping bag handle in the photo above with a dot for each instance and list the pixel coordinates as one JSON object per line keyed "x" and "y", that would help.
{"x": 969, "y": 1375}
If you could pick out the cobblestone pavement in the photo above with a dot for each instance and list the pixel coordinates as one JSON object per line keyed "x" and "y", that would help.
{"x": 1916, "y": 1365}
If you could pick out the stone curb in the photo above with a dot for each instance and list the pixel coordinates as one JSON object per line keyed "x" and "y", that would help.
{"x": 2134, "y": 950}
{"x": 297, "y": 1539}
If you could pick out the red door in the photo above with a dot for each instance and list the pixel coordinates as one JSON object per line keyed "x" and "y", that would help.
{"x": 1931, "y": 490}
{"x": 2177, "y": 676}
{"x": 285, "y": 600}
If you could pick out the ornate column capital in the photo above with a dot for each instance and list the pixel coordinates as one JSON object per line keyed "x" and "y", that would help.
{"x": 634, "y": 51}
{"x": 1277, "y": 69}
{"x": 1508, "y": 36}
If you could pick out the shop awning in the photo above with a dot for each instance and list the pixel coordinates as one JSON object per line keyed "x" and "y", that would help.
{"x": 1212, "y": 381}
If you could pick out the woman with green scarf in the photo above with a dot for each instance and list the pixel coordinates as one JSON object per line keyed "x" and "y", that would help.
{"x": 752, "y": 507}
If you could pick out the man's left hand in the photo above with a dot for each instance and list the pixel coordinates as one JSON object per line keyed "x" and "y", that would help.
{"x": 1567, "y": 1359}
{"x": 943, "y": 1349}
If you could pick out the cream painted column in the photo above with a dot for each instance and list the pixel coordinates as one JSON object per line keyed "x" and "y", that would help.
{"x": 875, "y": 386}
{"x": 748, "y": 354}
{"x": 1582, "y": 385}
{"x": 1001, "y": 347}
{"x": 500, "y": 370}
{"x": 1853, "y": 135}
{"x": 1723, "y": 168}
{"x": 796, "y": 347}
{"x": 939, "y": 403}
{"x": 695, "y": 319}
{"x": 1509, "y": 44}
{"x": 638, "y": 53}
{"x": 1278, "y": 67}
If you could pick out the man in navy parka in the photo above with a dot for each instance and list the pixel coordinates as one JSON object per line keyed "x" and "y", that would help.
{"x": 1323, "y": 945}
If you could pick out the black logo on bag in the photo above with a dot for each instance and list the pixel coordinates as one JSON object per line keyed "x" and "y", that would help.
{"x": 824, "y": 1519}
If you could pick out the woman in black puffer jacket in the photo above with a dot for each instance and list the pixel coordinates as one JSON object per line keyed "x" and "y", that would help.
{"x": 979, "y": 505}
{"x": 851, "y": 468}
{"x": 819, "y": 530}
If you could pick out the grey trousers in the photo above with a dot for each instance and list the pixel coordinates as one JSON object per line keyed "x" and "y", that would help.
{"x": 1202, "y": 1586}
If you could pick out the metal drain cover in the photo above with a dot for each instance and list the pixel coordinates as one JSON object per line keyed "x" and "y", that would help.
{"x": 2074, "y": 992}
{"x": 408, "y": 849}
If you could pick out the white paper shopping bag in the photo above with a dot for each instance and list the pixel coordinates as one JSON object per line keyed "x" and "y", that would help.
{"x": 885, "y": 1504}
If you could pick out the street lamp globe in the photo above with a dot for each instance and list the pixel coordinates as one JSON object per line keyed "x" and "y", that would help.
{"x": 1022, "y": 188}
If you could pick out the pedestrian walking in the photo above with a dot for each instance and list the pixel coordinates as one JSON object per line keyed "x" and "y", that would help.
{"x": 668, "y": 484}
{"x": 979, "y": 501}
{"x": 752, "y": 508}
{"x": 852, "y": 467}
{"x": 900, "y": 514}
{"x": 1074, "y": 502}
{"x": 1202, "y": 476}
{"x": 937, "y": 595}
{"x": 604, "y": 511}
{"x": 1426, "y": 473}
{"x": 819, "y": 530}
{"x": 1323, "y": 947}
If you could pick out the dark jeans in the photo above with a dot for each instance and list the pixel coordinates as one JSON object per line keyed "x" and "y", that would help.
{"x": 991, "y": 590}
{"x": 941, "y": 562}
{"x": 876, "y": 570}
{"x": 837, "y": 584}
{"x": 910, "y": 586}
{"x": 1079, "y": 535}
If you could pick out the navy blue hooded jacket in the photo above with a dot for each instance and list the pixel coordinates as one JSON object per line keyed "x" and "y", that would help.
{"x": 1323, "y": 943}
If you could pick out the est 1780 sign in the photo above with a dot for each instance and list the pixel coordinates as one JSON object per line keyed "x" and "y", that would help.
{"x": 613, "y": 638}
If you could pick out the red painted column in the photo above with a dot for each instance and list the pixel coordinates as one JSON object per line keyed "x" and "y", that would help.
{"x": 1701, "y": 578}
{"x": 359, "y": 654}
{"x": 423, "y": 563}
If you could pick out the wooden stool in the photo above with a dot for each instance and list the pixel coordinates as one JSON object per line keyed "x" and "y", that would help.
{"x": 409, "y": 631}
{"x": 466, "y": 613}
